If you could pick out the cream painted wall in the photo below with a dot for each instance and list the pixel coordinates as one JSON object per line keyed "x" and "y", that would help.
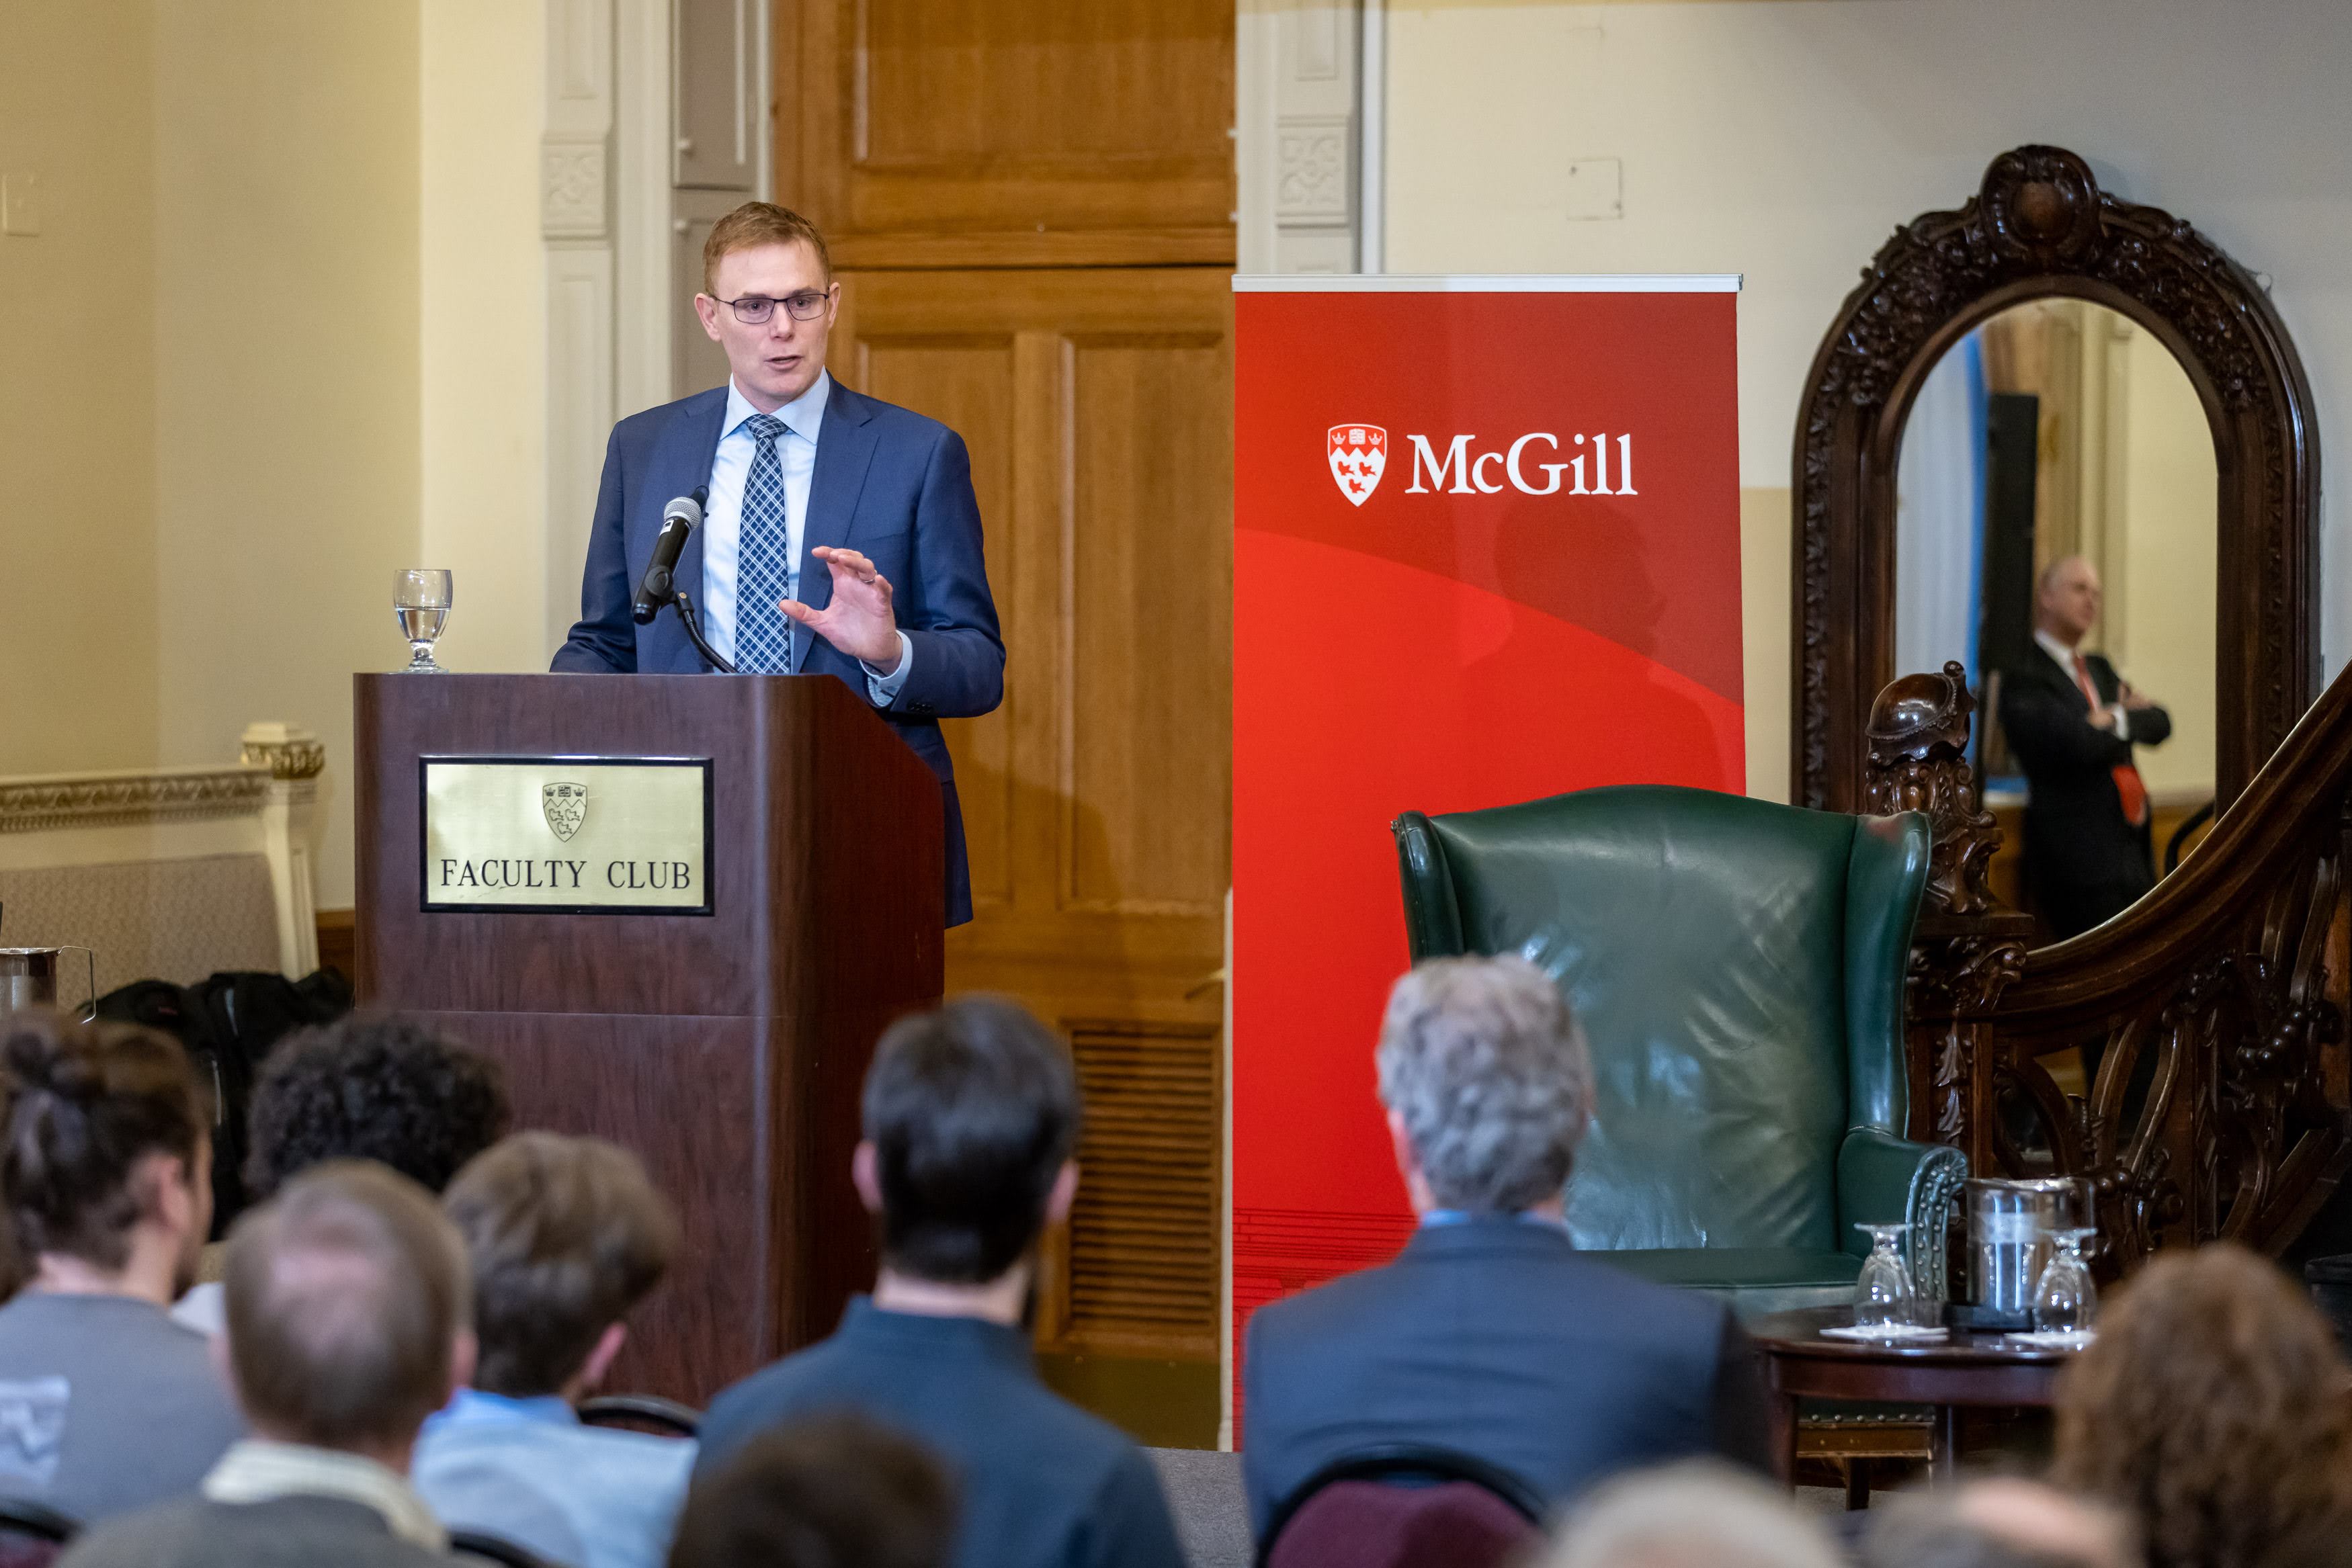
{"x": 2168, "y": 511}
{"x": 286, "y": 394}
{"x": 281, "y": 334}
{"x": 1786, "y": 139}
{"x": 1764, "y": 568}
{"x": 483, "y": 375}
{"x": 76, "y": 392}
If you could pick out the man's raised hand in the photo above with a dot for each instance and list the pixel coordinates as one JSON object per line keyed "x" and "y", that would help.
{"x": 858, "y": 621}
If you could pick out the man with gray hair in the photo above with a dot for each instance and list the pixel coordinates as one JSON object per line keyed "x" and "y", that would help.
{"x": 1697, "y": 1514}
{"x": 349, "y": 1324}
{"x": 1490, "y": 1335}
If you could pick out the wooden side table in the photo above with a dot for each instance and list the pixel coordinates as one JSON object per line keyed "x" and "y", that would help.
{"x": 1967, "y": 1369}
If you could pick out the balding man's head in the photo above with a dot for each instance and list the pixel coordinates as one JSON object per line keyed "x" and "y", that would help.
{"x": 347, "y": 1301}
{"x": 2066, "y": 599}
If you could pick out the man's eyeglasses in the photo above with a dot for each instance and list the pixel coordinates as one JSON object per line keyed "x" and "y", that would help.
{"x": 754, "y": 310}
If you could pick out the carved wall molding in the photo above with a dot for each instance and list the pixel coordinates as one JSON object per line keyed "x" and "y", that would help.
{"x": 289, "y": 750}
{"x": 2039, "y": 225}
{"x": 572, "y": 202}
{"x": 110, "y": 799}
{"x": 1304, "y": 142}
{"x": 1311, "y": 168}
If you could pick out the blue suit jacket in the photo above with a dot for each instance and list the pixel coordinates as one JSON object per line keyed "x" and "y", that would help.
{"x": 1496, "y": 1338}
{"x": 889, "y": 483}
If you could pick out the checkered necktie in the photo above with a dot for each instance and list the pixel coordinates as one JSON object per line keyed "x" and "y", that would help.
{"x": 763, "y": 636}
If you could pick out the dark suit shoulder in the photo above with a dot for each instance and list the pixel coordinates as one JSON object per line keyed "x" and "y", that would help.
{"x": 1506, "y": 1268}
{"x": 832, "y": 1374}
{"x": 892, "y": 420}
{"x": 2036, "y": 667}
{"x": 283, "y": 1533}
{"x": 648, "y": 424}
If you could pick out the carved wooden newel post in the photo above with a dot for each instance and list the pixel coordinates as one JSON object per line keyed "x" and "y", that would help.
{"x": 1968, "y": 949}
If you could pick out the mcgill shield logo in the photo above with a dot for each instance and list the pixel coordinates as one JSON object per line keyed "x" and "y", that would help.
{"x": 566, "y": 806}
{"x": 1359, "y": 456}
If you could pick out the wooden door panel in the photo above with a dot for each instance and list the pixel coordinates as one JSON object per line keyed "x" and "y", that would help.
{"x": 1030, "y": 207}
{"x": 1148, "y": 577}
{"x": 966, "y": 381}
{"x": 1025, "y": 121}
{"x": 1096, "y": 403}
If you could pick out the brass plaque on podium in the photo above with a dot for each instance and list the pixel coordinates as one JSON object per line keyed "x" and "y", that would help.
{"x": 566, "y": 835}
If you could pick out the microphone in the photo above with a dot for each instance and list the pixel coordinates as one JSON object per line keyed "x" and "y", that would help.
{"x": 678, "y": 519}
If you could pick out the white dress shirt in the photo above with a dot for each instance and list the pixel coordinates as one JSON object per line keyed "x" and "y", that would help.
{"x": 2065, "y": 657}
{"x": 722, "y": 518}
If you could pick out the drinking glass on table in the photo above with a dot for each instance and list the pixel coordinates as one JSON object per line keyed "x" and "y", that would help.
{"x": 2066, "y": 1300}
{"x": 1884, "y": 1297}
{"x": 420, "y": 596}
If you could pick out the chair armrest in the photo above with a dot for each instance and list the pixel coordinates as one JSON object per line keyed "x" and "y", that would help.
{"x": 1883, "y": 1179}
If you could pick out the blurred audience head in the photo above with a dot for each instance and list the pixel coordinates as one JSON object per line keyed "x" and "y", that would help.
{"x": 348, "y": 1310}
{"x": 971, "y": 1110}
{"x": 369, "y": 1087}
{"x": 2212, "y": 1407}
{"x": 564, "y": 1237}
{"x": 1699, "y": 1515}
{"x": 837, "y": 1491}
{"x": 1997, "y": 1523}
{"x": 108, "y": 1165}
{"x": 1488, "y": 1084}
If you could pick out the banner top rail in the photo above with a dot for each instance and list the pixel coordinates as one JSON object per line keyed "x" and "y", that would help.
{"x": 1485, "y": 283}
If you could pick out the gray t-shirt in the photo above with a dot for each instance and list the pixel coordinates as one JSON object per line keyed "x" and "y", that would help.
{"x": 106, "y": 1404}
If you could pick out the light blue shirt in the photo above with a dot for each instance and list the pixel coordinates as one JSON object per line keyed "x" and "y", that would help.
{"x": 527, "y": 1470}
{"x": 722, "y": 518}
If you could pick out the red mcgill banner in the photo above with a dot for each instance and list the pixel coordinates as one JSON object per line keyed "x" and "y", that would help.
{"x": 1487, "y": 549}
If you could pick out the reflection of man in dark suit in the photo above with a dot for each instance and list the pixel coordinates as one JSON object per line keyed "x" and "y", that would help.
{"x": 2073, "y": 722}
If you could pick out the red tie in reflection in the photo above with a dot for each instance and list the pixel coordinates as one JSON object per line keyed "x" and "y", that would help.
{"x": 2128, "y": 785}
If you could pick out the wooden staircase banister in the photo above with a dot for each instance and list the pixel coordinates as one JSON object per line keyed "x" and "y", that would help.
{"x": 2300, "y": 792}
{"x": 2212, "y": 1012}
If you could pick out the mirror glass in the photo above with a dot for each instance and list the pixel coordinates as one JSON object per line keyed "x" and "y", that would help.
{"x": 2056, "y": 500}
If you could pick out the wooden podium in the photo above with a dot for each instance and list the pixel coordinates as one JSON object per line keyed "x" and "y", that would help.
{"x": 726, "y": 1048}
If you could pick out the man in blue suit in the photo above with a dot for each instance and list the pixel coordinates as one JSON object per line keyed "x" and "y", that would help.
{"x": 1491, "y": 1335}
{"x": 804, "y": 474}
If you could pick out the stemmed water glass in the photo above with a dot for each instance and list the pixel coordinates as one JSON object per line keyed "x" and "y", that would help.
{"x": 1884, "y": 1297}
{"x": 2066, "y": 1301}
{"x": 420, "y": 596}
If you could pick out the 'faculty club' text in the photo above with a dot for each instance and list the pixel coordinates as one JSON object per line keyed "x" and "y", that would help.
{"x": 639, "y": 876}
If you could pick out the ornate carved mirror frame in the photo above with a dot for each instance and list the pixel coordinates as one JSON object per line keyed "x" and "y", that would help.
{"x": 2041, "y": 227}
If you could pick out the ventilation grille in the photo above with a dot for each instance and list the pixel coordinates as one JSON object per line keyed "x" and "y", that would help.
{"x": 1143, "y": 1233}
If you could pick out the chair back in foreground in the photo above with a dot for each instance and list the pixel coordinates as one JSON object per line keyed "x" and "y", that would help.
{"x": 1404, "y": 1507}
{"x": 1738, "y": 967}
{"x": 32, "y": 1535}
{"x": 480, "y": 1546}
{"x": 642, "y": 1412}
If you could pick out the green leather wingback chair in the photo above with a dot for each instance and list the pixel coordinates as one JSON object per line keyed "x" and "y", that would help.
{"x": 1737, "y": 966}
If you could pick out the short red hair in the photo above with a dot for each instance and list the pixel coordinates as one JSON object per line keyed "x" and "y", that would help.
{"x": 755, "y": 224}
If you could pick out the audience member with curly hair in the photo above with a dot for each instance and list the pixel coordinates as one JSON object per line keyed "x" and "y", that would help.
{"x": 365, "y": 1087}
{"x": 374, "y": 1088}
{"x": 106, "y": 1404}
{"x": 2213, "y": 1408}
